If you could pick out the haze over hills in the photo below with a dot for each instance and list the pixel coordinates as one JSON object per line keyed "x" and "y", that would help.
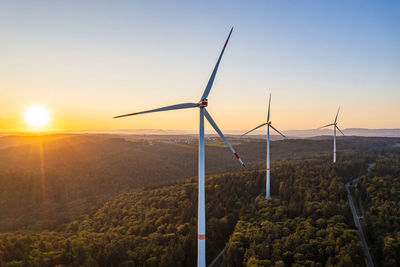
{"x": 292, "y": 133}
{"x": 395, "y": 132}
{"x": 347, "y": 131}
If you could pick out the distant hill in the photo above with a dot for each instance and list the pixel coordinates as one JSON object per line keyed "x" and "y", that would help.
{"x": 150, "y": 133}
{"x": 395, "y": 132}
{"x": 347, "y": 131}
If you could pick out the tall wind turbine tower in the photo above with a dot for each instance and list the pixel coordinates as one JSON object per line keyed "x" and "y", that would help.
{"x": 202, "y": 104}
{"x": 334, "y": 124}
{"x": 268, "y": 123}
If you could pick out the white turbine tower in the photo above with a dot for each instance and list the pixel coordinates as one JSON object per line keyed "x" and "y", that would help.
{"x": 334, "y": 124}
{"x": 268, "y": 123}
{"x": 202, "y": 104}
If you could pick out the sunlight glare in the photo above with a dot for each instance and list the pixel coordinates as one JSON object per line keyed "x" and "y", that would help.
{"x": 37, "y": 116}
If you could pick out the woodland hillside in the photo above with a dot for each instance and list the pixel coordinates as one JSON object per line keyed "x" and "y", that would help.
{"x": 379, "y": 192}
{"x": 156, "y": 226}
{"x": 47, "y": 181}
{"x": 105, "y": 213}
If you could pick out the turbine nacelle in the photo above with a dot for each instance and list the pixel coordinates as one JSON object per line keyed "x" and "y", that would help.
{"x": 203, "y": 103}
{"x": 268, "y": 123}
{"x": 334, "y": 124}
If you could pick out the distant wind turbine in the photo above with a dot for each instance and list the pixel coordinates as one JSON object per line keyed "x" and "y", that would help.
{"x": 334, "y": 124}
{"x": 268, "y": 123}
{"x": 202, "y": 104}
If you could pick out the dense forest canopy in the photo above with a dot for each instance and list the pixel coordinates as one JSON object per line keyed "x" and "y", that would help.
{"x": 379, "y": 192}
{"x": 307, "y": 222}
{"x": 47, "y": 181}
{"x": 126, "y": 202}
{"x": 152, "y": 227}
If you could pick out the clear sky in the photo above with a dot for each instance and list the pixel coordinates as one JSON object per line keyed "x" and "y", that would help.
{"x": 87, "y": 61}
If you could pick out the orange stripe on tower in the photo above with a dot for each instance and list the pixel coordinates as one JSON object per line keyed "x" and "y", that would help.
{"x": 236, "y": 154}
{"x": 201, "y": 237}
{"x": 268, "y": 169}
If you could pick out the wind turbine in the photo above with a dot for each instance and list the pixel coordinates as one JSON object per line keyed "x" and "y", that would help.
{"x": 202, "y": 104}
{"x": 334, "y": 124}
{"x": 268, "y": 123}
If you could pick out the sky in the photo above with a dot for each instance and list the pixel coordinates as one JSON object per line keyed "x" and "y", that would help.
{"x": 87, "y": 61}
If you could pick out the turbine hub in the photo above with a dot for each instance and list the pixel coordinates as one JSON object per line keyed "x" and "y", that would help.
{"x": 203, "y": 103}
{"x": 269, "y": 122}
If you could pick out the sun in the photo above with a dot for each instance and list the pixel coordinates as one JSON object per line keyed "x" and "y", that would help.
{"x": 37, "y": 116}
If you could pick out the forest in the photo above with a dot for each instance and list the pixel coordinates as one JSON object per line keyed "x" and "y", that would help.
{"x": 47, "y": 181}
{"x": 379, "y": 194}
{"x": 152, "y": 227}
{"x": 153, "y": 222}
{"x": 306, "y": 223}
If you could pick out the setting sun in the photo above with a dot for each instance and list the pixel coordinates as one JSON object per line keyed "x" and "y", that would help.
{"x": 37, "y": 116}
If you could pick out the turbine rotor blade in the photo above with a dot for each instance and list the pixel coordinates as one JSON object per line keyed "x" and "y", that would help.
{"x": 339, "y": 130}
{"x": 269, "y": 106}
{"x": 214, "y": 125}
{"x": 337, "y": 114}
{"x": 277, "y": 130}
{"x": 214, "y": 73}
{"x": 326, "y": 126}
{"x": 178, "y": 106}
{"x": 255, "y": 128}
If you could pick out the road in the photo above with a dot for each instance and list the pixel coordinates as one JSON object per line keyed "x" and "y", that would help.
{"x": 368, "y": 259}
{"x": 218, "y": 256}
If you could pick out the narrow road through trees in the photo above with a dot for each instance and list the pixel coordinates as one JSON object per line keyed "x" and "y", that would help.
{"x": 368, "y": 259}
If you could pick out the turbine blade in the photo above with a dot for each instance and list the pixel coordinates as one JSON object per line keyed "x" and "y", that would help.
{"x": 339, "y": 130}
{"x": 211, "y": 80}
{"x": 214, "y": 125}
{"x": 326, "y": 126}
{"x": 277, "y": 130}
{"x": 269, "y": 105}
{"x": 337, "y": 114}
{"x": 255, "y": 128}
{"x": 178, "y": 106}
